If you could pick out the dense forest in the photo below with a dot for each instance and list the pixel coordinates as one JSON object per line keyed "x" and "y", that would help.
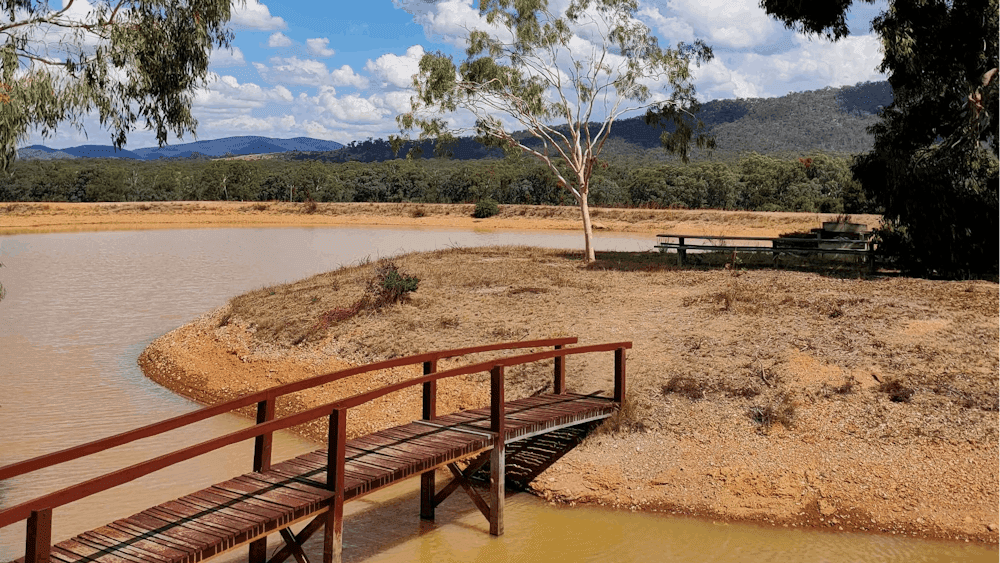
{"x": 817, "y": 182}
{"x": 790, "y": 153}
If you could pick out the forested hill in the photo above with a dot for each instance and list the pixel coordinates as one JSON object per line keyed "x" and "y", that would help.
{"x": 832, "y": 119}
{"x": 242, "y": 145}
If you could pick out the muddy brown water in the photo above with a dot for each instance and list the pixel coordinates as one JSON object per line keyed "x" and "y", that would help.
{"x": 80, "y": 308}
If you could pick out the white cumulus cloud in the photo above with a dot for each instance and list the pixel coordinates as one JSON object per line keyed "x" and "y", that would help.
{"x": 345, "y": 76}
{"x": 735, "y": 24}
{"x": 293, "y": 70}
{"x": 222, "y": 58}
{"x": 254, "y": 15}
{"x": 393, "y": 70}
{"x": 318, "y": 47}
{"x": 278, "y": 39}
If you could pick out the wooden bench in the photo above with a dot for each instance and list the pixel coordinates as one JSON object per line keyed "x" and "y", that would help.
{"x": 862, "y": 246}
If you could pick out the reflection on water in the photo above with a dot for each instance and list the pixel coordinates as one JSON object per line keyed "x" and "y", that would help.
{"x": 82, "y": 306}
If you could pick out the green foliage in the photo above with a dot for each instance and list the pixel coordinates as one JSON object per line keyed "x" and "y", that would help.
{"x": 389, "y": 286}
{"x": 163, "y": 48}
{"x": 536, "y": 78}
{"x": 930, "y": 169}
{"x": 752, "y": 181}
{"x": 933, "y": 168}
{"x": 486, "y": 207}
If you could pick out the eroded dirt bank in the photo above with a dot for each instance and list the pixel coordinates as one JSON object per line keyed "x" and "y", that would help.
{"x": 16, "y": 218}
{"x": 794, "y": 398}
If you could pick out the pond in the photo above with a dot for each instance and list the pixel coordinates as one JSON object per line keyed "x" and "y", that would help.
{"x": 80, "y": 308}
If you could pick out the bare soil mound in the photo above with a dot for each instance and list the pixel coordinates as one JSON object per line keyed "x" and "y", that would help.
{"x": 794, "y": 398}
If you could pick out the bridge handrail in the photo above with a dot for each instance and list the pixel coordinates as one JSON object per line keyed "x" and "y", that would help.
{"x": 107, "y": 481}
{"x": 363, "y": 398}
{"x": 75, "y": 452}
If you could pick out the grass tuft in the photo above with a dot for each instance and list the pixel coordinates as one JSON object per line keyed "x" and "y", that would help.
{"x": 897, "y": 391}
{"x": 686, "y": 387}
{"x": 779, "y": 411}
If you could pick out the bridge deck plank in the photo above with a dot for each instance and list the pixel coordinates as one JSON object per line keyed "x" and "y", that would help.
{"x": 239, "y": 510}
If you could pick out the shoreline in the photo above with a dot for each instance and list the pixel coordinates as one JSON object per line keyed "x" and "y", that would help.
{"x": 746, "y": 486}
{"x": 834, "y": 469}
{"x": 27, "y": 218}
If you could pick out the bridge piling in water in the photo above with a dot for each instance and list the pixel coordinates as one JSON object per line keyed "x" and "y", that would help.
{"x": 314, "y": 487}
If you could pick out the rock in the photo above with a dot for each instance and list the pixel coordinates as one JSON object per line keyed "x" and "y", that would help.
{"x": 597, "y": 226}
{"x": 826, "y": 508}
{"x": 991, "y": 527}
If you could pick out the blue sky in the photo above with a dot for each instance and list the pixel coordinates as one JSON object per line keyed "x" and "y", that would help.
{"x": 341, "y": 70}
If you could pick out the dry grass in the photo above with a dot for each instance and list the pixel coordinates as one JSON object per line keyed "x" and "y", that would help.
{"x": 733, "y": 340}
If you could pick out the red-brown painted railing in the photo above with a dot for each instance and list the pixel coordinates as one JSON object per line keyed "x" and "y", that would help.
{"x": 260, "y": 397}
{"x": 38, "y": 512}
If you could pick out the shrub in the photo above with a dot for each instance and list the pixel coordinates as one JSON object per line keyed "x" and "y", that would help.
{"x": 898, "y": 393}
{"x": 486, "y": 207}
{"x": 388, "y": 285}
{"x": 780, "y": 412}
{"x": 385, "y": 287}
{"x": 685, "y": 386}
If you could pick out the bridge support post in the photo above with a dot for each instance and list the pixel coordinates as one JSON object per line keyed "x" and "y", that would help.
{"x": 430, "y": 413}
{"x": 333, "y": 532}
{"x": 497, "y": 473}
{"x": 38, "y": 542}
{"x": 262, "y": 462}
{"x": 620, "y": 376}
{"x": 559, "y": 383}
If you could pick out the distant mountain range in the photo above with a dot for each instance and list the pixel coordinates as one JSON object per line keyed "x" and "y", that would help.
{"x": 215, "y": 148}
{"x": 831, "y": 119}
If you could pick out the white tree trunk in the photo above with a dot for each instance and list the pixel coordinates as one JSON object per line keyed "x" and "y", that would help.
{"x": 588, "y": 232}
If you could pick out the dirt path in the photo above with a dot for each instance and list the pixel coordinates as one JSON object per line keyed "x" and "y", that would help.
{"x": 793, "y": 398}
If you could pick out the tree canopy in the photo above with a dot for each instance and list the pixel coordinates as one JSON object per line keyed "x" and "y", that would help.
{"x": 550, "y": 73}
{"x": 933, "y": 168}
{"x": 129, "y": 60}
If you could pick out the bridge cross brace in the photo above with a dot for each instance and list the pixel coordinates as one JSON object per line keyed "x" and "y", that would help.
{"x": 294, "y": 542}
{"x": 462, "y": 478}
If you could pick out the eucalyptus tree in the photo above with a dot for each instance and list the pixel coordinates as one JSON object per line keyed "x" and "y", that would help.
{"x": 129, "y": 60}
{"x": 933, "y": 168}
{"x": 562, "y": 76}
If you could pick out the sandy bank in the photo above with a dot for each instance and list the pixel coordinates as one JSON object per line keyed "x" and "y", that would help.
{"x": 18, "y": 218}
{"x": 713, "y": 349}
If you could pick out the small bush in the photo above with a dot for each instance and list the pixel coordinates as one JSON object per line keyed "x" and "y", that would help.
{"x": 685, "y": 386}
{"x": 747, "y": 392}
{"x": 418, "y": 212}
{"x": 631, "y": 417}
{"x": 846, "y": 388}
{"x": 781, "y": 412}
{"x": 486, "y": 207}
{"x": 389, "y": 286}
{"x": 898, "y": 393}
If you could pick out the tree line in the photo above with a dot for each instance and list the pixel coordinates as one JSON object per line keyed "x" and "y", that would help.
{"x": 818, "y": 182}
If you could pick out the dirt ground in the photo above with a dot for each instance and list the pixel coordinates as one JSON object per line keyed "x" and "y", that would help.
{"x": 18, "y": 218}
{"x": 795, "y": 398}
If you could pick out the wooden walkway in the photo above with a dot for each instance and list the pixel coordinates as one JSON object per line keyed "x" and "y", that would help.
{"x": 314, "y": 487}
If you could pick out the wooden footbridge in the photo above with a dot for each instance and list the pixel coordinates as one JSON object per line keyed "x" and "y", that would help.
{"x": 313, "y": 487}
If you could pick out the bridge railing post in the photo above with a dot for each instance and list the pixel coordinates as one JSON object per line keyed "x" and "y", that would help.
{"x": 333, "y": 536}
{"x": 429, "y": 413}
{"x": 620, "y": 376}
{"x": 262, "y": 443}
{"x": 497, "y": 461}
{"x": 559, "y": 383}
{"x": 38, "y": 542}
{"x": 262, "y": 462}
